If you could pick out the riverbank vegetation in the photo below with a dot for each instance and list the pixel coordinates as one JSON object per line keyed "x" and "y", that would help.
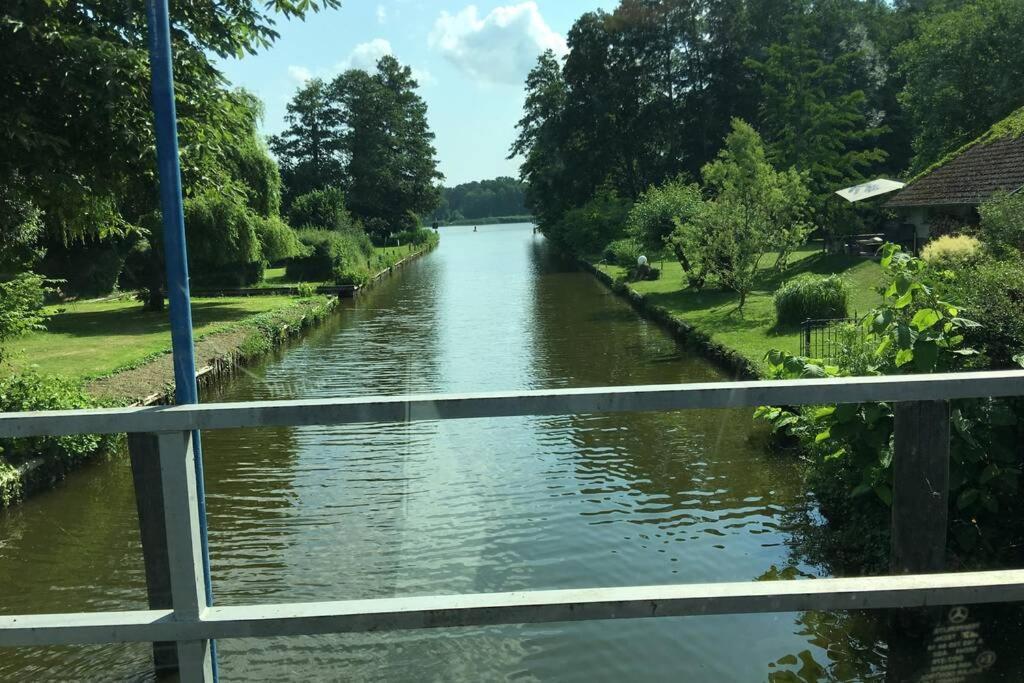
{"x": 80, "y": 227}
{"x": 710, "y": 140}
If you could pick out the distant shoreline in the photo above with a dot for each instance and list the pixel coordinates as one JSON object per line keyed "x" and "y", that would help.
{"x": 491, "y": 220}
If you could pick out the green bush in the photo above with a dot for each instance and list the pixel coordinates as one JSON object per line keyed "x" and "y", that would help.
{"x": 952, "y": 252}
{"x": 587, "y": 229}
{"x": 277, "y": 240}
{"x": 307, "y": 290}
{"x": 32, "y": 391}
{"x": 339, "y": 257}
{"x": 21, "y": 307}
{"x": 323, "y": 209}
{"x": 654, "y": 216}
{"x": 223, "y": 245}
{"x": 1002, "y": 223}
{"x": 623, "y": 252}
{"x": 810, "y": 296}
{"x": 417, "y": 237}
{"x": 992, "y": 294}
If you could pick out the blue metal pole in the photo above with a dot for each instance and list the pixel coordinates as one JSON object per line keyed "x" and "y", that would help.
{"x": 175, "y": 254}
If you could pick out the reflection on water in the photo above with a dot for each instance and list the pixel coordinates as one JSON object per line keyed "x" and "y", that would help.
{"x": 319, "y": 513}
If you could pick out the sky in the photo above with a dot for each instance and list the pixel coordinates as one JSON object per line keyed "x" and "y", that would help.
{"x": 470, "y": 60}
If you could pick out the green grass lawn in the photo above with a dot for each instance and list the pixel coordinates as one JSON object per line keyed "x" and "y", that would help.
{"x": 752, "y": 331}
{"x": 383, "y": 258}
{"x": 93, "y": 338}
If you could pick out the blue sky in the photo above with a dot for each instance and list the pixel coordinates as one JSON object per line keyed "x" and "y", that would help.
{"x": 470, "y": 58}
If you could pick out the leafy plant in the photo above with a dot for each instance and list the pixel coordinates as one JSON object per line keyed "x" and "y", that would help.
{"x": 1002, "y": 223}
{"x": 810, "y": 296}
{"x": 623, "y": 252}
{"x": 278, "y": 241}
{"x": 32, "y": 391}
{"x": 306, "y": 290}
{"x": 323, "y": 208}
{"x": 913, "y": 330}
{"x": 339, "y": 257}
{"x": 652, "y": 219}
{"x": 993, "y": 294}
{"x": 21, "y": 307}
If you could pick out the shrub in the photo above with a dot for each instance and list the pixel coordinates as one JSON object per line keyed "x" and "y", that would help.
{"x": 417, "y": 237}
{"x": 278, "y": 241}
{"x": 32, "y": 391}
{"x": 992, "y": 294}
{"x": 1002, "y": 223}
{"x": 811, "y": 296}
{"x": 623, "y": 252}
{"x": 323, "y": 208}
{"x": 223, "y": 246}
{"x": 587, "y": 229}
{"x": 339, "y": 257}
{"x": 952, "y": 252}
{"x": 653, "y": 217}
{"x": 21, "y": 307}
{"x": 307, "y": 290}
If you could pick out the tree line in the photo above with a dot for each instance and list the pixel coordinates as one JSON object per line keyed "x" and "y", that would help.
{"x": 839, "y": 90}
{"x": 78, "y": 185}
{"x": 502, "y": 196}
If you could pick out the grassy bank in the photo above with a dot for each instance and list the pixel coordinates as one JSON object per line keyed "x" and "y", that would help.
{"x": 91, "y": 339}
{"x": 750, "y": 332}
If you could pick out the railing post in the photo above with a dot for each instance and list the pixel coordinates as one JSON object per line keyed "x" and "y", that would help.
{"x": 920, "y": 495}
{"x": 144, "y": 453}
{"x": 184, "y": 549}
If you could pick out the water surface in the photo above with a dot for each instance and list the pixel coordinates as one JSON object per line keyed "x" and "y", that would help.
{"x": 330, "y": 513}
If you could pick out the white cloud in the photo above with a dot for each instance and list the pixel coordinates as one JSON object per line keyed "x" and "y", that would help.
{"x": 382, "y": 14}
{"x": 299, "y": 73}
{"x": 501, "y": 47}
{"x": 365, "y": 55}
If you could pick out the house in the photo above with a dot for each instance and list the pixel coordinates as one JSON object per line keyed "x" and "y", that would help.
{"x": 947, "y": 195}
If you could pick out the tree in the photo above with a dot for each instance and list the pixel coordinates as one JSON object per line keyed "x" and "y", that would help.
{"x": 21, "y": 290}
{"x": 755, "y": 210}
{"x": 812, "y": 118}
{"x": 392, "y": 169}
{"x": 963, "y": 72}
{"x": 311, "y": 149}
{"x": 539, "y": 140}
{"x": 656, "y": 213}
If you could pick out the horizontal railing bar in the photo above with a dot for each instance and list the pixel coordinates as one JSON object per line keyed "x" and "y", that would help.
{"x": 504, "y": 404}
{"x": 488, "y": 609}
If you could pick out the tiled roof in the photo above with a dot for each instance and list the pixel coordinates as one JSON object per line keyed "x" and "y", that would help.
{"x": 970, "y": 178}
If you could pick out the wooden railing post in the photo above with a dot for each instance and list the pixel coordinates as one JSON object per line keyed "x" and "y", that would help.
{"x": 143, "y": 451}
{"x": 184, "y": 549}
{"x": 920, "y": 495}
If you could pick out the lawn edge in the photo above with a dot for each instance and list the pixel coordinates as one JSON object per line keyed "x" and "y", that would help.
{"x": 728, "y": 359}
{"x": 20, "y": 482}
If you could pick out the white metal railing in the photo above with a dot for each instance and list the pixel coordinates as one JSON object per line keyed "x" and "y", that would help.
{"x": 191, "y": 624}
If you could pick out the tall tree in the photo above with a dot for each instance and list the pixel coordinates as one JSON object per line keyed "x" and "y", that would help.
{"x": 964, "y": 71}
{"x": 812, "y": 116}
{"x": 539, "y": 140}
{"x": 311, "y": 149}
{"x": 392, "y": 165}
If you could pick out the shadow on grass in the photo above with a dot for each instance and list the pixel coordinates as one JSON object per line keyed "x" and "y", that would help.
{"x": 134, "y": 321}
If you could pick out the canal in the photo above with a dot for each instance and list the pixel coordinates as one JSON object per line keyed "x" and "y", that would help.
{"x": 328, "y": 513}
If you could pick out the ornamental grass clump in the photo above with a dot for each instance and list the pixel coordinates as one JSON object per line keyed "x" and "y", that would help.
{"x": 952, "y": 252}
{"x": 811, "y": 297}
